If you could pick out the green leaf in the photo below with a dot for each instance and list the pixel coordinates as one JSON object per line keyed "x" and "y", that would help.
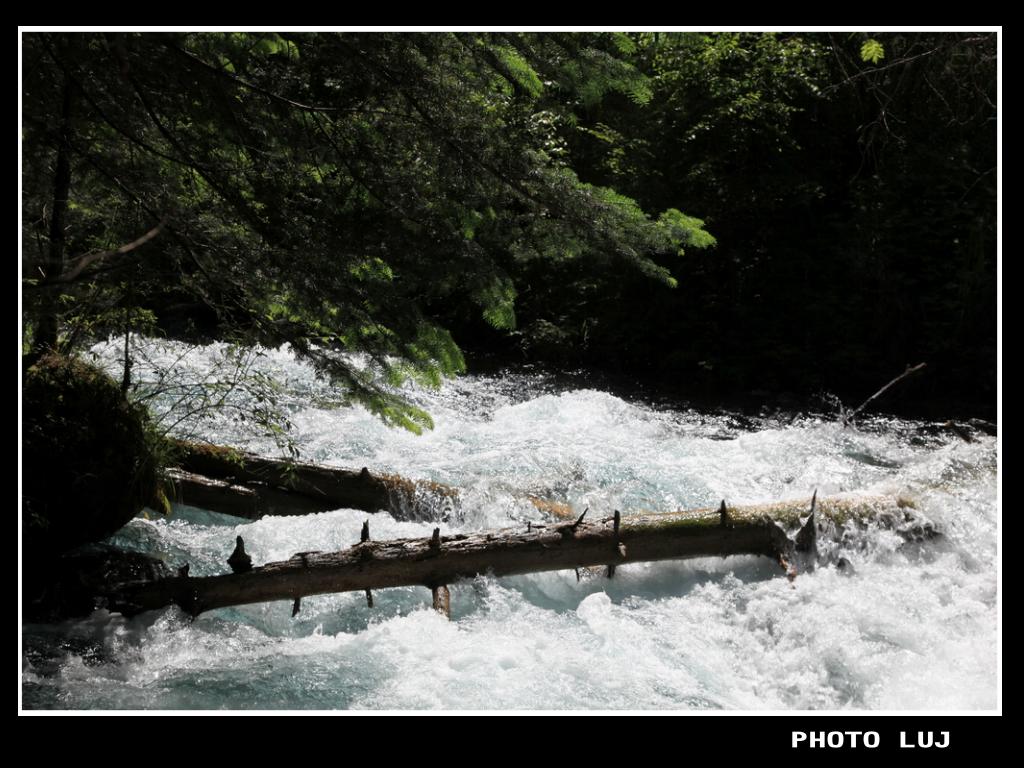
{"x": 624, "y": 43}
{"x": 498, "y": 302}
{"x": 685, "y": 230}
{"x": 872, "y": 51}
{"x": 274, "y": 44}
{"x": 520, "y": 70}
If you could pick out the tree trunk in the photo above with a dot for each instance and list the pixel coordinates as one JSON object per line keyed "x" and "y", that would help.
{"x": 237, "y": 483}
{"x": 46, "y": 333}
{"x": 295, "y": 488}
{"x": 441, "y": 560}
{"x": 251, "y": 501}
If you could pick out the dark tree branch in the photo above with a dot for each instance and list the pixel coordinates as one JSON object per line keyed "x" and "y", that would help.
{"x": 90, "y": 258}
{"x": 849, "y": 417}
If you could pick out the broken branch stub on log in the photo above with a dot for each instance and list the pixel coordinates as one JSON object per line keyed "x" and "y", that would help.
{"x": 441, "y": 600}
{"x": 442, "y": 560}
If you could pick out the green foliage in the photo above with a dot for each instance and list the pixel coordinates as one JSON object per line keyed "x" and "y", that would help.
{"x": 686, "y": 230}
{"x": 597, "y": 73}
{"x": 624, "y": 43}
{"x": 831, "y": 187}
{"x": 372, "y": 269}
{"x": 498, "y": 301}
{"x": 357, "y": 196}
{"x": 519, "y": 69}
{"x": 872, "y": 51}
{"x": 328, "y": 191}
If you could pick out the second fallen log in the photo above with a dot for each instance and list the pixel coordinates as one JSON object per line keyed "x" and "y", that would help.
{"x": 238, "y": 483}
{"x": 441, "y": 560}
{"x": 242, "y": 484}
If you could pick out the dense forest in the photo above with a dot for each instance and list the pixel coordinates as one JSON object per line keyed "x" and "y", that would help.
{"x": 752, "y": 216}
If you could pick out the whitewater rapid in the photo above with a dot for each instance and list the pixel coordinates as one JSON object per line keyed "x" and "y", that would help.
{"x": 914, "y": 627}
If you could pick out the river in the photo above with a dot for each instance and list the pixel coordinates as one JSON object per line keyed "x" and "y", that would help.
{"x": 913, "y": 627}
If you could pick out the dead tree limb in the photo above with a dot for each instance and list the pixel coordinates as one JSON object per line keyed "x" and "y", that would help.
{"x": 84, "y": 261}
{"x": 441, "y": 560}
{"x": 246, "y": 485}
{"x": 243, "y": 484}
{"x": 230, "y": 498}
{"x": 849, "y": 417}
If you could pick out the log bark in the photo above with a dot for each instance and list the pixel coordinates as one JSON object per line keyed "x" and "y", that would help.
{"x": 442, "y": 560}
{"x": 238, "y": 483}
{"x": 251, "y": 501}
{"x": 243, "y": 484}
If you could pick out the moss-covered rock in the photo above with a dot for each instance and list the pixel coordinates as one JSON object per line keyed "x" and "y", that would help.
{"x": 88, "y": 464}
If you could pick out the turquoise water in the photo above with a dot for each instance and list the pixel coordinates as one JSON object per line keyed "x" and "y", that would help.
{"x": 915, "y": 627}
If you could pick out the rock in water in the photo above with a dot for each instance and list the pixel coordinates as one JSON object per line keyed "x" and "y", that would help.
{"x": 88, "y": 464}
{"x": 71, "y": 583}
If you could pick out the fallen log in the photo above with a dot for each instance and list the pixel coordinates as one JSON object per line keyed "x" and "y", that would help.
{"x": 239, "y": 500}
{"x": 243, "y": 484}
{"x": 438, "y": 561}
